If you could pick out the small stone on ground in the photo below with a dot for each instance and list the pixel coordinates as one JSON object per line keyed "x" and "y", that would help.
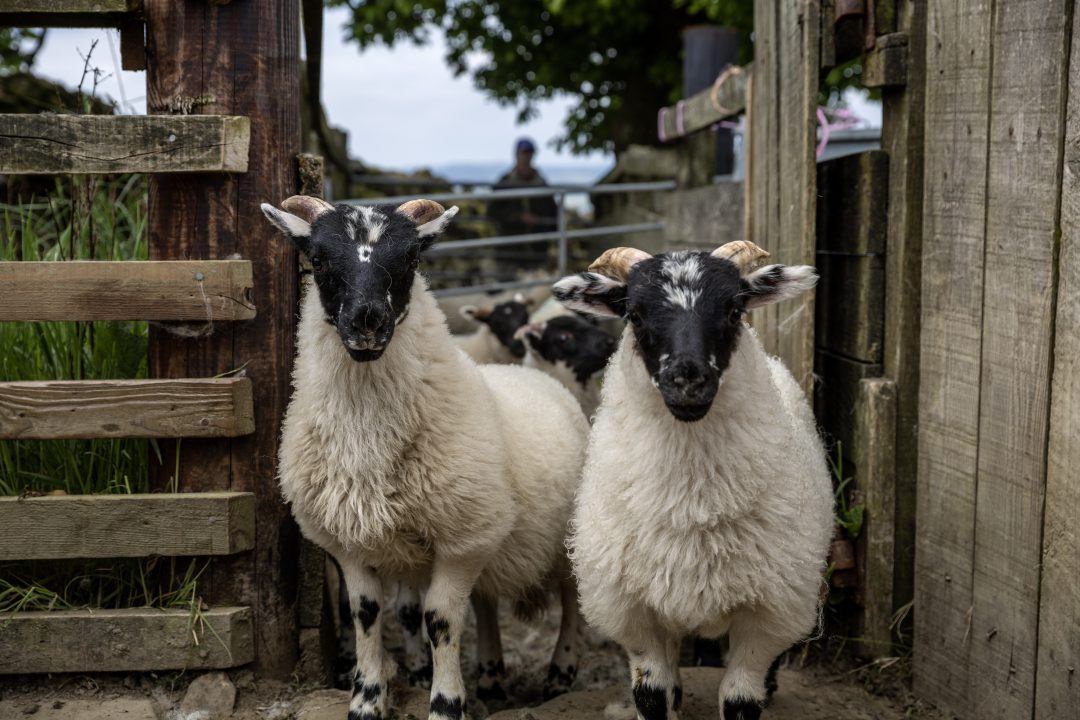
{"x": 209, "y": 697}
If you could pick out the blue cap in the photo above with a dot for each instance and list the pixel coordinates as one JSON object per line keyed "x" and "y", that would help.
{"x": 525, "y": 144}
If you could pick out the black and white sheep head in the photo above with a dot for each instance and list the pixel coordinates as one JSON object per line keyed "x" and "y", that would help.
{"x": 503, "y": 319}
{"x": 567, "y": 339}
{"x": 686, "y": 310}
{"x": 364, "y": 260}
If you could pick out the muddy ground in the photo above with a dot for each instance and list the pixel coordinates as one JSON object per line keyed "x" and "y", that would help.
{"x": 834, "y": 690}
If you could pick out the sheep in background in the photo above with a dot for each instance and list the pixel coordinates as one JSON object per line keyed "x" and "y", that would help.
{"x": 572, "y": 351}
{"x": 404, "y": 459}
{"x": 494, "y": 340}
{"x": 706, "y": 504}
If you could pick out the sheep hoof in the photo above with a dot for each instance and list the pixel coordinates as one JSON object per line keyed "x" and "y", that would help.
{"x": 559, "y": 680}
{"x": 742, "y": 710}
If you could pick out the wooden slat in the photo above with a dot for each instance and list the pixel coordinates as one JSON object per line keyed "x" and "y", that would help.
{"x": 836, "y": 398}
{"x": 1057, "y": 684}
{"x": 67, "y": 13}
{"x": 799, "y": 25}
{"x": 124, "y": 640}
{"x": 851, "y": 229}
{"x": 886, "y": 65}
{"x": 109, "y": 526}
{"x": 50, "y": 410}
{"x": 957, "y": 102}
{"x": 902, "y": 138}
{"x": 700, "y": 111}
{"x": 164, "y": 290}
{"x": 1023, "y": 185}
{"x": 874, "y": 455}
{"x": 50, "y": 144}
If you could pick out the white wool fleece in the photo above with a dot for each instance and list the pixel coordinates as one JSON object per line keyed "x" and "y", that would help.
{"x": 422, "y": 451}
{"x": 484, "y": 347}
{"x": 686, "y": 524}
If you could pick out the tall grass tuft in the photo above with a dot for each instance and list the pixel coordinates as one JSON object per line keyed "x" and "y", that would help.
{"x": 82, "y": 218}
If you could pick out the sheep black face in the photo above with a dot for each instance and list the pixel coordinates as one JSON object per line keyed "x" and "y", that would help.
{"x": 582, "y": 347}
{"x": 686, "y": 311}
{"x": 503, "y": 319}
{"x": 364, "y": 260}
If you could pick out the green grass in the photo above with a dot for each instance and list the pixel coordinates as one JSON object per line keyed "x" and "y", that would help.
{"x": 82, "y": 218}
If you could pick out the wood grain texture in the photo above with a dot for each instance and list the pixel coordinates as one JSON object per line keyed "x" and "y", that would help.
{"x": 1023, "y": 187}
{"x": 244, "y": 58}
{"x": 50, "y": 144}
{"x": 68, "y": 13}
{"x": 798, "y": 29}
{"x": 52, "y": 410}
{"x": 902, "y": 138}
{"x": 108, "y": 526}
{"x": 957, "y": 103}
{"x": 886, "y": 65}
{"x": 706, "y": 108}
{"x": 172, "y": 290}
{"x": 70, "y": 6}
{"x": 1057, "y": 687}
{"x": 852, "y": 215}
{"x": 836, "y": 396}
{"x": 124, "y": 640}
{"x": 874, "y": 455}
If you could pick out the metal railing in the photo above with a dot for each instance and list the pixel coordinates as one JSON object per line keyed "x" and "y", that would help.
{"x": 561, "y": 235}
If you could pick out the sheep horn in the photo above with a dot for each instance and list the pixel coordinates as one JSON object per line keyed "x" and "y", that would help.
{"x": 421, "y": 211}
{"x": 744, "y": 254}
{"x": 306, "y": 207}
{"x": 616, "y": 262}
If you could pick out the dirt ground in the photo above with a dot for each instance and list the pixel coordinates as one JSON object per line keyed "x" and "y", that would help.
{"x": 601, "y": 690}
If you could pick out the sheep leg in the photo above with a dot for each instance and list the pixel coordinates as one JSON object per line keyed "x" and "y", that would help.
{"x": 757, "y": 639}
{"x": 655, "y": 682}
{"x": 673, "y": 664}
{"x": 371, "y": 681}
{"x": 345, "y": 658}
{"x": 489, "y": 652}
{"x": 447, "y": 599}
{"x": 411, "y": 617}
{"x": 564, "y": 661}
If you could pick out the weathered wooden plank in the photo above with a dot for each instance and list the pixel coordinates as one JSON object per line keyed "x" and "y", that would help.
{"x": 852, "y": 215}
{"x": 124, "y": 640}
{"x": 707, "y": 107}
{"x": 51, "y": 410}
{"x": 703, "y": 218}
{"x": 248, "y": 63}
{"x": 1023, "y": 187}
{"x": 67, "y": 13}
{"x": 799, "y": 25}
{"x": 50, "y": 144}
{"x": 836, "y": 397}
{"x": 874, "y": 455}
{"x": 1057, "y": 687}
{"x": 108, "y": 526}
{"x": 902, "y": 138}
{"x": 957, "y": 102}
{"x": 763, "y": 162}
{"x": 886, "y": 65}
{"x": 191, "y": 290}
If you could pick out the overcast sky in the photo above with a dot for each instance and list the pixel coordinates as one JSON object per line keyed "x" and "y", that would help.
{"x": 401, "y": 107}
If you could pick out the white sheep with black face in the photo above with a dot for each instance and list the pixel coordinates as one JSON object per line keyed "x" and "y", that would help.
{"x": 407, "y": 461}
{"x": 706, "y": 503}
{"x": 495, "y": 341}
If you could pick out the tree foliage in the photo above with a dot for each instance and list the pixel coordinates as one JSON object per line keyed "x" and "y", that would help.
{"x": 621, "y": 59}
{"x": 18, "y": 47}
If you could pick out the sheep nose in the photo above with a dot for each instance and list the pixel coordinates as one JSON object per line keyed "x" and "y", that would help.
{"x": 367, "y": 319}
{"x": 687, "y": 375}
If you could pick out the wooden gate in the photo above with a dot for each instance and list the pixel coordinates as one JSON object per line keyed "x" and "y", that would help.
{"x": 214, "y": 261}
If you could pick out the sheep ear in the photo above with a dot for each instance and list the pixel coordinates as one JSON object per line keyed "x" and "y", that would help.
{"x": 774, "y": 283}
{"x": 436, "y": 226}
{"x": 291, "y": 226}
{"x": 592, "y": 293}
{"x": 475, "y": 312}
{"x": 428, "y": 215}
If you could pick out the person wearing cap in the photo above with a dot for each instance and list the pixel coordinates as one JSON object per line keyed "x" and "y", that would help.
{"x": 518, "y": 216}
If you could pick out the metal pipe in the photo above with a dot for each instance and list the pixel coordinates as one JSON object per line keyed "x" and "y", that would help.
{"x": 564, "y": 242}
{"x": 511, "y": 193}
{"x": 525, "y": 239}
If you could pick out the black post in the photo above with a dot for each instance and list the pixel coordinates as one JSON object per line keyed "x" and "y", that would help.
{"x": 707, "y": 50}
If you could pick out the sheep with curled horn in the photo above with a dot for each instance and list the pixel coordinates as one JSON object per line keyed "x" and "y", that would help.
{"x": 706, "y": 503}
{"x": 408, "y": 462}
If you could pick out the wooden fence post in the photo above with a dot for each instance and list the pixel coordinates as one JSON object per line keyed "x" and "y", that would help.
{"x": 240, "y": 58}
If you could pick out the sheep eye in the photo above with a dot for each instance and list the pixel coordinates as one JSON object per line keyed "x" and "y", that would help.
{"x": 635, "y": 318}
{"x": 564, "y": 338}
{"x": 736, "y": 314}
{"x": 316, "y": 264}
